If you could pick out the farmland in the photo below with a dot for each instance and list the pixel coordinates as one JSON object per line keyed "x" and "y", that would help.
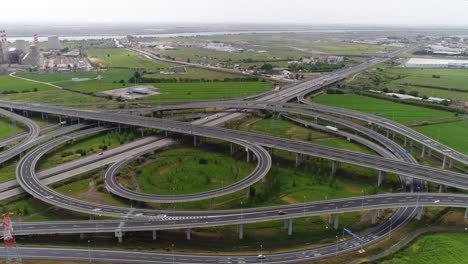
{"x": 457, "y": 134}
{"x": 442, "y": 83}
{"x": 7, "y": 129}
{"x": 447, "y": 248}
{"x": 124, "y": 58}
{"x": 400, "y": 113}
{"x": 8, "y": 84}
{"x": 195, "y": 73}
{"x": 208, "y": 90}
{"x": 349, "y": 49}
{"x": 449, "y": 78}
{"x": 53, "y": 97}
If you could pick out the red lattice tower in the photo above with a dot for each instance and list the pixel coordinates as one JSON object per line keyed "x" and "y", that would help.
{"x": 9, "y": 238}
{"x": 2, "y": 36}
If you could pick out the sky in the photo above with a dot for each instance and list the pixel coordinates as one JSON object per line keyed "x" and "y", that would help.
{"x": 350, "y": 12}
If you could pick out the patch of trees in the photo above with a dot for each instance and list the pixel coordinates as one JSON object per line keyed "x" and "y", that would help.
{"x": 435, "y": 76}
{"x": 190, "y": 80}
{"x": 15, "y": 92}
{"x": 334, "y": 91}
{"x": 317, "y": 67}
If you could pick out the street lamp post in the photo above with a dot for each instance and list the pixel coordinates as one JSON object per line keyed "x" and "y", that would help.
{"x": 336, "y": 254}
{"x": 261, "y": 253}
{"x": 362, "y": 195}
{"x": 89, "y": 253}
{"x": 304, "y": 207}
{"x": 242, "y": 209}
{"x": 173, "y": 254}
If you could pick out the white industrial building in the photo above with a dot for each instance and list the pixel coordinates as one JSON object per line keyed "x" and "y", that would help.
{"x": 435, "y": 63}
{"x": 53, "y": 43}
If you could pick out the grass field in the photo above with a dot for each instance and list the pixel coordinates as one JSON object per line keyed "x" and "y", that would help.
{"x": 208, "y": 90}
{"x": 449, "y": 78}
{"x": 8, "y": 130}
{"x": 8, "y": 172}
{"x": 109, "y": 80}
{"x": 53, "y": 97}
{"x": 190, "y": 170}
{"x": 350, "y": 49}
{"x": 446, "y": 248}
{"x": 8, "y": 83}
{"x": 283, "y": 128}
{"x": 195, "y": 73}
{"x": 57, "y": 77}
{"x": 85, "y": 146}
{"x": 400, "y": 113}
{"x": 431, "y": 92}
{"x": 200, "y": 55}
{"x": 117, "y": 57}
{"x": 454, "y": 135}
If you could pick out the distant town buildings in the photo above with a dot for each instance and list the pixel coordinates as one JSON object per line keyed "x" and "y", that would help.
{"x": 445, "y": 50}
{"x": 319, "y": 59}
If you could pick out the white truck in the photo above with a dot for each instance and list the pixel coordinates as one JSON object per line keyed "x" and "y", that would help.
{"x": 332, "y": 128}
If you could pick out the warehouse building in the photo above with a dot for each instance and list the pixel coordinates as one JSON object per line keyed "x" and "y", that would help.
{"x": 435, "y": 63}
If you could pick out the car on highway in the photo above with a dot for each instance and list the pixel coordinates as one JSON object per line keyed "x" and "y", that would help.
{"x": 281, "y": 212}
{"x": 261, "y": 256}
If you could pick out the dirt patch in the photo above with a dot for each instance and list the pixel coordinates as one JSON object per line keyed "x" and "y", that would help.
{"x": 289, "y": 200}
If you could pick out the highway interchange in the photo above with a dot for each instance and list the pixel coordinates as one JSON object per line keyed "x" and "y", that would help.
{"x": 139, "y": 219}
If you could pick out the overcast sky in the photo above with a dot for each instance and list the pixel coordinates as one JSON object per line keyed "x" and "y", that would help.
{"x": 372, "y": 12}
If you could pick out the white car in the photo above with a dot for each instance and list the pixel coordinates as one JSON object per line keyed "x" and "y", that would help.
{"x": 261, "y": 256}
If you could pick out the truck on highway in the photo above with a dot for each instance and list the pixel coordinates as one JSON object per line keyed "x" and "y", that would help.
{"x": 332, "y": 128}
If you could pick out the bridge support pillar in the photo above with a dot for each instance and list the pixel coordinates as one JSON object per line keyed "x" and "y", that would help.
{"x": 444, "y": 161}
{"x": 420, "y": 213}
{"x": 290, "y": 227}
{"x": 248, "y": 192}
{"x": 450, "y": 163}
{"x": 155, "y": 234}
{"x": 82, "y": 236}
{"x": 213, "y": 203}
{"x": 404, "y": 144}
{"x": 335, "y": 166}
{"x": 381, "y": 178}
{"x": 119, "y": 235}
{"x": 241, "y": 231}
{"x": 299, "y": 159}
{"x": 336, "y": 222}
{"x": 441, "y": 188}
{"x": 466, "y": 213}
{"x": 188, "y": 233}
{"x": 232, "y": 149}
{"x": 194, "y": 141}
{"x": 374, "y": 217}
{"x": 330, "y": 219}
{"x": 285, "y": 225}
{"x": 379, "y": 212}
{"x": 423, "y": 151}
{"x": 388, "y": 133}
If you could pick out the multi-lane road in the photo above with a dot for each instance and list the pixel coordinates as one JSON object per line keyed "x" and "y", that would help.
{"x": 157, "y": 220}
